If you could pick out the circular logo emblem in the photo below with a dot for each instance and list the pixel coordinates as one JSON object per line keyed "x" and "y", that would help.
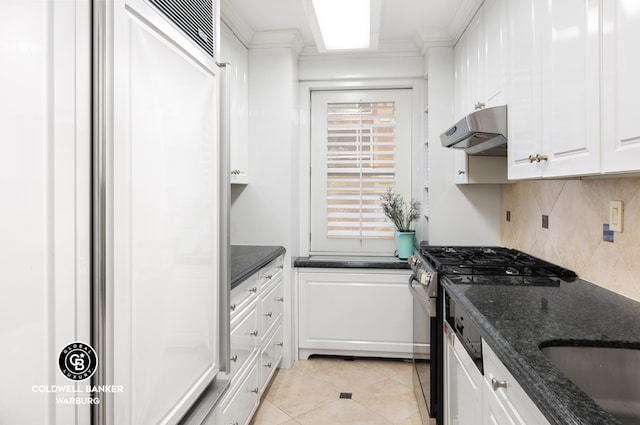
{"x": 78, "y": 361}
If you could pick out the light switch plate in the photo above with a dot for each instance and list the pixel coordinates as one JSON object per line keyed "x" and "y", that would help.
{"x": 615, "y": 216}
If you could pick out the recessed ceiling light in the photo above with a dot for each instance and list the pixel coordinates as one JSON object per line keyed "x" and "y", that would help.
{"x": 344, "y": 24}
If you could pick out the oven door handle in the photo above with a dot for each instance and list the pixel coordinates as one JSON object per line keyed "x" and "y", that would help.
{"x": 429, "y": 304}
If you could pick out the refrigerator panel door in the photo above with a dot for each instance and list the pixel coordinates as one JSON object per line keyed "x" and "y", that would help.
{"x": 165, "y": 223}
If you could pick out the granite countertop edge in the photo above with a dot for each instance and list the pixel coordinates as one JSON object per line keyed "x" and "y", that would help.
{"x": 347, "y": 262}
{"x": 248, "y": 259}
{"x": 559, "y": 399}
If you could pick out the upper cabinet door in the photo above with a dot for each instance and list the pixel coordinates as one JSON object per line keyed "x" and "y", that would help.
{"x": 570, "y": 87}
{"x": 476, "y": 64}
{"x": 621, "y": 86}
{"x": 495, "y": 52}
{"x": 461, "y": 72}
{"x": 524, "y": 91}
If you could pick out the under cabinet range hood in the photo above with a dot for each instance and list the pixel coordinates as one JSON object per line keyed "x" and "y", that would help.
{"x": 482, "y": 132}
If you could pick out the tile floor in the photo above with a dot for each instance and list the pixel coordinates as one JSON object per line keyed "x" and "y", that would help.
{"x": 309, "y": 394}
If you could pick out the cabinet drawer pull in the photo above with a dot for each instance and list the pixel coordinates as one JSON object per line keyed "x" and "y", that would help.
{"x": 235, "y": 423}
{"x": 254, "y": 390}
{"x": 281, "y": 266}
{"x": 268, "y": 365}
{"x": 280, "y": 344}
{"x": 232, "y": 307}
{"x": 538, "y": 158}
{"x": 253, "y": 333}
{"x": 281, "y": 299}
{"x": 498, "y": 384}
{"x": 234, "y": 358}
{"x": 254, "y": 290}
{"x": 460, "y": 172}
{"x": 268, "y": 277}
{"x": 479, "y": 105}
{"x": 269, "y": 314}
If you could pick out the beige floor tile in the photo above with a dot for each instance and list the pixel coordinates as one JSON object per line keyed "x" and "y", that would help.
{"x": 399, "y": 370}
{"x": 308, "y": 394}
{"x": 296, "y": 393}
{"x": 390, "y": 399}
{"x": 342, "y": 412}
{"x": 348, "y": 376}
{"x": 269, "y": 414}
{"x": 415, "y": 420}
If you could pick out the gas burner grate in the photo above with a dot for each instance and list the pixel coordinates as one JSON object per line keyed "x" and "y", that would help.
{"x": 509, "y": 264}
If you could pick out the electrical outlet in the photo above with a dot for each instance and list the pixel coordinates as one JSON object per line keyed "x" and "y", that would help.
{"x": 615, "y": 216}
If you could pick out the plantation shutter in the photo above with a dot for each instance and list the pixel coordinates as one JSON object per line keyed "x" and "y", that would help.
{"x": 361, "y": 165}
{"x": 360, "y": 148}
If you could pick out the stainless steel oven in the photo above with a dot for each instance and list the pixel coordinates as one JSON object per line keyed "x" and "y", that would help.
{"x": 423, "y": 285}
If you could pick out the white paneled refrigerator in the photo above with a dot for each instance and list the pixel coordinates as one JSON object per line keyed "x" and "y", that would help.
{"x": 118, "y": 232}
{"x": 159, "y": 209}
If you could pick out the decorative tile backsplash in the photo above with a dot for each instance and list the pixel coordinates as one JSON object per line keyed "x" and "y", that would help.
{"x": 577, "y": 211}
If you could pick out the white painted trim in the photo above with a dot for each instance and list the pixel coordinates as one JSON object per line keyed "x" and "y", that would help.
{"x": 305, "y": 88}
{"x": 273, "y": 39}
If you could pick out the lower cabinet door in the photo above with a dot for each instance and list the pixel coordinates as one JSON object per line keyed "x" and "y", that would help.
{"x": 464, "y": 392}
{"x": 271, "y": 356}
{"x": 242, "y": 401}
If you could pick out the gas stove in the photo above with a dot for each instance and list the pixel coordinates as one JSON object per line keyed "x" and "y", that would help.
{"x": 492, "y": 265}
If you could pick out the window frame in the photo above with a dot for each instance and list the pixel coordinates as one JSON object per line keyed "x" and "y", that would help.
{"x": 319, "y": 242}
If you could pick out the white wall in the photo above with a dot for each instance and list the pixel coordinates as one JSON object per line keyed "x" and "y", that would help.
{"x": 459, "y": 214}
{"x": 358, "y": 71}
{"x": 261, "y": 212}
{"x": 264, "y": 212}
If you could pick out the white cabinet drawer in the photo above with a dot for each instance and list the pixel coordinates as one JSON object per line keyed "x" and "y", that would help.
{"x": 243, "y": 294}
{"x": 508, "y": 400}
{"x": 271, "y": 272}
{"x": 244, "y": 339}
{"x": 242, "y": 400}
{"x": 272, "y": 302}
{"x": 271, "y": 356}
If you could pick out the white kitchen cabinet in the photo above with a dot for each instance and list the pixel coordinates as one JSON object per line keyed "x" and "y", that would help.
{"x": 236, "y": 54}
{"x": 495, "y": 52}
{"x": 354, "y": 312}
{"x": 472, "y": 169}
{"x": 621, "y": 87}
{"x": 505, "y": 402}
{"x": 480, "y": 81}
{"x": 480, "y": 60}
{"x": 553, "y": 91}
{"x": 241, "y": 402}
{"x": 257, "y": 343}
{"x": 463, "y": 384}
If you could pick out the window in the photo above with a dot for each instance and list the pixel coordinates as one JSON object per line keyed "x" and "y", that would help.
{"x": 360, "y": 148}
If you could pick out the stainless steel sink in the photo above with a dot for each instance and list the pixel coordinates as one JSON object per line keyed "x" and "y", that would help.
{"x": 610, "y": 376}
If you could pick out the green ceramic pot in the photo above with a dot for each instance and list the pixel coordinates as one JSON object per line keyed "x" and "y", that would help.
{"x": 405, "y": 244}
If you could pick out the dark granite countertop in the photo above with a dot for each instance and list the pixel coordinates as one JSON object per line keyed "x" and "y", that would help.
{"x": 517, "y": 320}
{"x": 248, "y": 259}
{"x": 350, "y": 262}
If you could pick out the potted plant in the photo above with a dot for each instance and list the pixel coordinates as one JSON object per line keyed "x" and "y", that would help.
{"x": 402, "y": 214}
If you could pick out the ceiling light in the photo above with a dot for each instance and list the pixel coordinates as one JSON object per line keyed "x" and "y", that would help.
{"x": 345, "y": 24}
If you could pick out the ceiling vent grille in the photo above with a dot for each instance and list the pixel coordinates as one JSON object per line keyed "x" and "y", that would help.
{"x": 194, "y": 17}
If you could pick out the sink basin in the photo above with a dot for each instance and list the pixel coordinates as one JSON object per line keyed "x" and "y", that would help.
{"x": 610, "y": 376}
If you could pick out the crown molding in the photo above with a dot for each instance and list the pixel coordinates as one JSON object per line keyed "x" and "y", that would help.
{"x": 236, "y": 23}
{"x": 464, "y": 14}
{"x": 281, "y": 38}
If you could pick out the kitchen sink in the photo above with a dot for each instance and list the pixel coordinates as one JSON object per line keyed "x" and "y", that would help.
{"x": 610, "y": 376}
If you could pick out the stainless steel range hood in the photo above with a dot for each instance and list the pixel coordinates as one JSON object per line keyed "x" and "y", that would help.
{"x": 483, "y": 132}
